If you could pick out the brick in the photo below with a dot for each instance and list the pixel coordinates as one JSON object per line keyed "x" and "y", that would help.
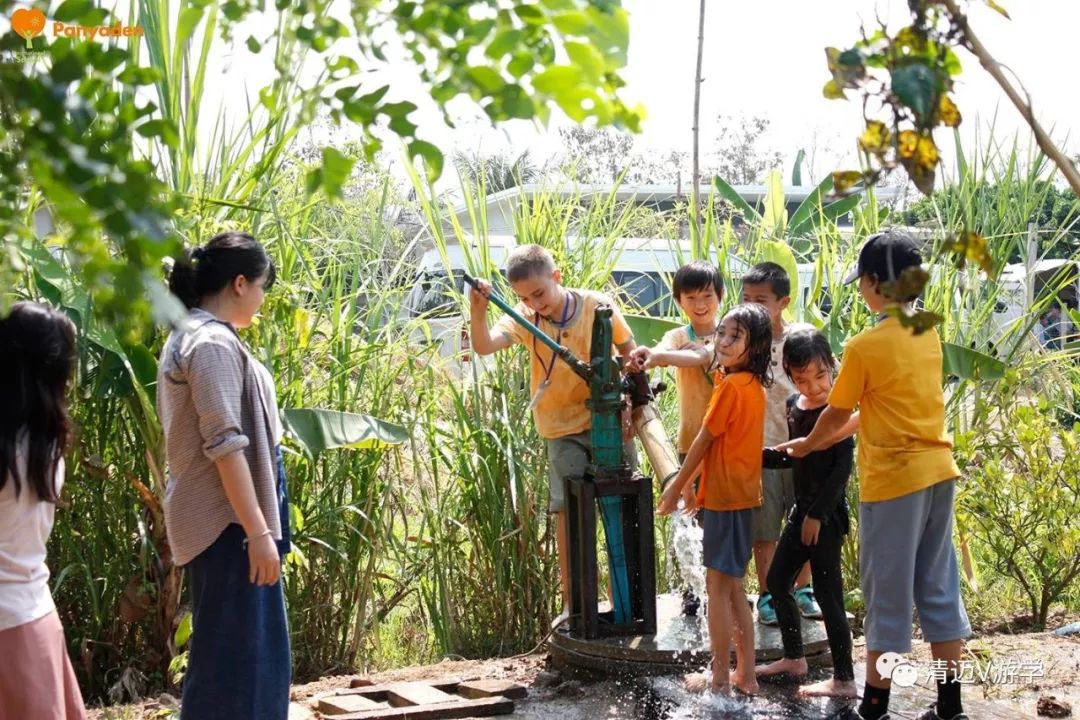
{"x": 342, "y": 704}
{"x": 492, "y": 688}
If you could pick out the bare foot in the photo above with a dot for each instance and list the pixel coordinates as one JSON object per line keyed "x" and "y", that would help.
{"x": 721, "y": 689}
{"x": 697, "y": 682}
{"x": 747, "y": 686}
{"x": 830, "y": 688}
{"x": 795, "y": 668}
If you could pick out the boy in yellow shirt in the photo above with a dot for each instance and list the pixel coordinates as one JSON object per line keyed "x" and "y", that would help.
{"x": 698, "y": 288}
{"x": 562, "y": 419}
{"x": 907, "y": 479}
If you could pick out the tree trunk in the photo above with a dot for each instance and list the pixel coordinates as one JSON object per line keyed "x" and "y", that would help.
{"x": 695, "y": 214}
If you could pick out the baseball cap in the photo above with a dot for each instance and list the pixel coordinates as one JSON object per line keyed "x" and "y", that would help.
{"x": 885, "y": 255}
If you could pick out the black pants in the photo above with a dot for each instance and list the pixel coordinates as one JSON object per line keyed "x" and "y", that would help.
{"x": 824, "y": 559}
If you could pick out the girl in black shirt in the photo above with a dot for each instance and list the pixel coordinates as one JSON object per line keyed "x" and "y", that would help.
{"x": 817, "y": 522}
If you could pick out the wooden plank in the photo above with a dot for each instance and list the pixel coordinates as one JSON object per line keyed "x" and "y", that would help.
{"x": 492, "y": 688}
{"x": 378, "y": 692}
{"x": 342, "y": 704}
{"x": 417, "y": 693}
{"x": 484, "y": 707}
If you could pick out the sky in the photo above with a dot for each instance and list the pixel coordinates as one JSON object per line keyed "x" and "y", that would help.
{"x": 766, "y": 58}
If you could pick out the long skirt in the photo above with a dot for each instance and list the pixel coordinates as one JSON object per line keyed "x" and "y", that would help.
{"x": 36, "y": 678}
{"x": 239, "y": 667}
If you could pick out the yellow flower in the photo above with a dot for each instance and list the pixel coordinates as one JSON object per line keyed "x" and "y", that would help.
{"x": 928, "y": 152}
{"x": 875, "y": 138}
{"x": 909, "y": 142}
{"x": 948, "y": 113}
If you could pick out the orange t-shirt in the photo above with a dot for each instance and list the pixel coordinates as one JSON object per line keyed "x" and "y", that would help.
{"x": 732, "y": 466}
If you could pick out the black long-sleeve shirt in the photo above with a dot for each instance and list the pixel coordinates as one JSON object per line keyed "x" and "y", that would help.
{"x": 820, "y": 477}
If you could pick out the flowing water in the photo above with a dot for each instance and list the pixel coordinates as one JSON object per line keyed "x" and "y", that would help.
{"x": 686, "y": 547}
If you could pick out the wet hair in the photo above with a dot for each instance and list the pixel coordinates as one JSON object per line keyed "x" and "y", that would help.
{"x": 754, "y": 320}
{"x": 37, "y": 361}
{"x": 803, "y": 347}
{"x": 529, "y": 261}
{"x": 772, "y": 274}
{"x": 696, "y": 276}
{"x": 208, "y": 269}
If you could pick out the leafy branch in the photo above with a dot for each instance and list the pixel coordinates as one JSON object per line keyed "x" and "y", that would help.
{"x": 905, "y": 81}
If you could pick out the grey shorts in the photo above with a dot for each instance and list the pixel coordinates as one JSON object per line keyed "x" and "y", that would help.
{"x": 906, "y": 557}
{"x": 568, "y": 457}
{"x": 778, "y": 496}
{"x": 727, "y": 541}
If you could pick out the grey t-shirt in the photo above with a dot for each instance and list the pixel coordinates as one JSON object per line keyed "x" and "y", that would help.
{"x": 776, "y": 395}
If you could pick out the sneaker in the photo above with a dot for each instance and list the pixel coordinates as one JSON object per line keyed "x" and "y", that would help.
{"x": 691, "y": 603}
{"x": 766, "y": 614}
{"x": 808, "y": 607}
{"x": 931, "y": 714}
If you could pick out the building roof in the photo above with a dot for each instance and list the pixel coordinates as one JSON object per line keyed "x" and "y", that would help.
{"x": 501, "y": 205}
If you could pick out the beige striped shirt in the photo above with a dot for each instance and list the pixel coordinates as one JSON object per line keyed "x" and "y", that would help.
{"x": 212, "y": 403}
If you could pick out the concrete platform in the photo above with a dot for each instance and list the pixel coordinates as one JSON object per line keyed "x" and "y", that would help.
{"x": 680, "y": 644}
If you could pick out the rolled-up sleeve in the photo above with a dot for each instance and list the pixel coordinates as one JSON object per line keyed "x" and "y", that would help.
{"x": 216, "y": 377}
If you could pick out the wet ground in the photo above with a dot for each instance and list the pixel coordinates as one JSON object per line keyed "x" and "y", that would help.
{"x": 553, "y": 696}
{"x": 665, "y": 699}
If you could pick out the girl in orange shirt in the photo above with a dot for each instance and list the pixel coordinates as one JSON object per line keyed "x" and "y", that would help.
{"x": 729, "y": 444}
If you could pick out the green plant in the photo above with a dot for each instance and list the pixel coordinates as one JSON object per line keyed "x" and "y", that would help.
{"x": 1022, "y": 493}
{"x": 920, "y": 63}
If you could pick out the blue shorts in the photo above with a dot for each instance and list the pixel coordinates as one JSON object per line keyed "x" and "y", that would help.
{"x": 728, "y": 540}
{"x": 906, "y": 558}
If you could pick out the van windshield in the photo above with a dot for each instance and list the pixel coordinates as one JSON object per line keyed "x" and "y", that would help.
{"x": 432, "y": 294}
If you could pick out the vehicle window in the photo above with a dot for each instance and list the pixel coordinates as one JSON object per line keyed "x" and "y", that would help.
{"x": 645, "y": 292}
{"x": 431, "y": 295}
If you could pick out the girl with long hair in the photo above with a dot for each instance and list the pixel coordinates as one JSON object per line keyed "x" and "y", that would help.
{"x": 37, "y": 361}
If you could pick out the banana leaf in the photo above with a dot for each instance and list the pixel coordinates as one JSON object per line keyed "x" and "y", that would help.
{"x": 649, "y": 330}
{"x": 317, "y": 430}
{"x": 968, "y": 364}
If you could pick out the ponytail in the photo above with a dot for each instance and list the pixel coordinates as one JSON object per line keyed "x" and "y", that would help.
{"x": 182, "y": 280}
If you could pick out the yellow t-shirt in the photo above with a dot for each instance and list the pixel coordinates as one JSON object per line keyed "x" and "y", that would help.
{"x": 731, "y": 474}
{"x": 693, "y": 385}
{"x": 895, "y": 379}
{"x": 560, "y": 409}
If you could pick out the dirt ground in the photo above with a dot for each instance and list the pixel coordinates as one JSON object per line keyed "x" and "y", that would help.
{"x": 1013, "y": 669}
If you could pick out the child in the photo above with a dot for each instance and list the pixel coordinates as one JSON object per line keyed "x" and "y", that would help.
{"x": 698, "y": 288}
{"x": 37, "y": 360}
{"x": 907, "y": 480}
{"x": 817, "y": 523}
{"x": 225, "y": 507}
{"x": 729, "y": 443}
{"x": 562, "y": 418}
{"x": 767, "y": 284}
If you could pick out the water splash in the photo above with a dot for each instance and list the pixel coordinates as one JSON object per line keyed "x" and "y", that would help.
{"x": 686, "y": 546}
